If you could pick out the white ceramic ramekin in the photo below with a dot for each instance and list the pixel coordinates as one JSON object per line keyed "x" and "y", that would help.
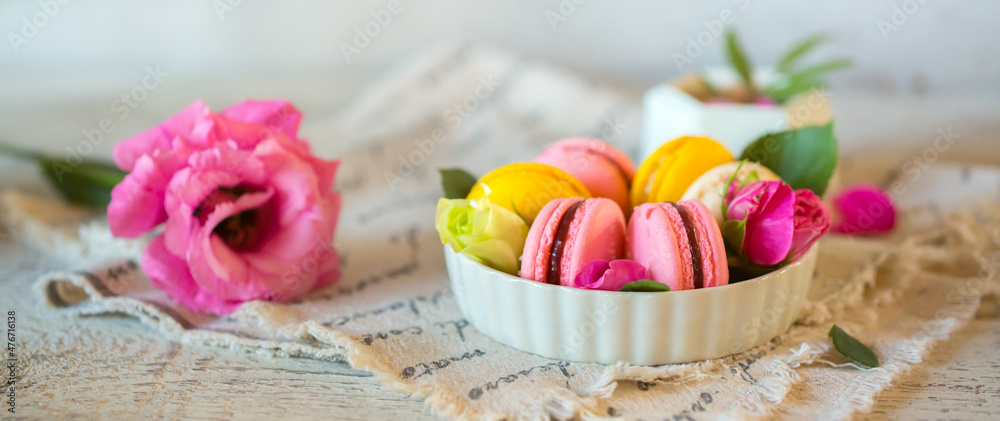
{"x": 637, "y": 328}
{"x": 670, "y": 110}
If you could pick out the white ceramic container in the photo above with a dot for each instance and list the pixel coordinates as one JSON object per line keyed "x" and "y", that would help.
{"x": 638, "y": 328}
{"x": 674, "y": 109}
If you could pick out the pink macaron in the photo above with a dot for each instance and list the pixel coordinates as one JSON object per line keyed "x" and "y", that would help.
{"x": 603, "y": 169}
{"x": 569, "y": 233}
{"x": 680, "y": 243}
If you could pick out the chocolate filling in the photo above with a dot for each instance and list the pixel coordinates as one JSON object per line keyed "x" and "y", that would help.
{"x": 698, "y": 272}
{"x": 555, "y": 256}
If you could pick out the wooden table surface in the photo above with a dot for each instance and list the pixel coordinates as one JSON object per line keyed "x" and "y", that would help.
{"x": 113, "y": 367}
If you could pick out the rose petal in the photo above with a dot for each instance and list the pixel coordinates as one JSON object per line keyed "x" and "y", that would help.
{"x": 169, "y": 273}
{"x": 591, "y": 274}
{"x": 768, "y": 207}
{"x": 494, "y": 253}
{"x": 137, "y": 202}
{"x": 279, "y": 115}
{"x": 621, "y": 272}
{"x": 812, "y": 221}
{"x": 216, "y": 267}
{"x": 128, "y": 151}
{"x": 609, "y": 276}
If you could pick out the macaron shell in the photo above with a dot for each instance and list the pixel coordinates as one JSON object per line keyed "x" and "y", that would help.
{"x": 654, "y": 240}
{"x": 646, "y": 173}
{"x": 525, "y": 188}
{"x": 715, "y": 267}
{"x": 671, "y": 169}
{"x": 541, "y": 235}
{"x": 604, "y": 170}
{"x": 709, "y": 188}
{"x": 597, "y": 232}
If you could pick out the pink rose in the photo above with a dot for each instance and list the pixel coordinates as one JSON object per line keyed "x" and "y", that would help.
{"x": 609, "y": 276}
{"x": 768, "y": 208}
{"x": 811, "y": 220}
{"x": 864, "y": 209}
{"x": 250, "y": 213}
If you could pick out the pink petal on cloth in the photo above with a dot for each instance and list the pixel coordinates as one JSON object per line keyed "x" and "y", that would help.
{"x": 610, "y": 276}
{"x": 169, "y": 273}
{"x": 161, "y": 137}
{"x": 864, "y": 209}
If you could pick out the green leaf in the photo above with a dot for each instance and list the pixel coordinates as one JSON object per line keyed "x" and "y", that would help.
{"x": 87, "y": 183}
{"x": 645, "y": 285}
{"x": 456, "y": 182}
{"x": 799, "y": 50}
{"x": 784, "y": 90}
{"x": 738, "y": 59}
{"x": 851, "y": 348}
{"x": 725, "y": 192}
{"x": 804, "y": 158}
{"x": 815, "y": 70}
{"x": 16, "y": 152}
{"x": 734, "y": 232}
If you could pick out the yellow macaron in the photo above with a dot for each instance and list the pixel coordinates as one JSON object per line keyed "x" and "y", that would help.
{"x": 668, "y": 172}
{"x": 525, "y": 188}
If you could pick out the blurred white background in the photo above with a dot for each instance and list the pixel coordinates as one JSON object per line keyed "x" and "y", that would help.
{"x": 77, "y": 57}
{"x": 898, "y": 45}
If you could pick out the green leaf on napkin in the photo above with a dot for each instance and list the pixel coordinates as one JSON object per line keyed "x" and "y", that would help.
{"x": 852, "y": 348}
{"x": 738, "y": 59}
{"x": 804, "y": 158}
{"x": 87, "y": 183}
{"x": 456, "y": 182}
{"x": 644, "y": 285}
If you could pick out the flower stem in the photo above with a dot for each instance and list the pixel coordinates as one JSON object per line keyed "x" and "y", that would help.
{"x": 20, "y": 153}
